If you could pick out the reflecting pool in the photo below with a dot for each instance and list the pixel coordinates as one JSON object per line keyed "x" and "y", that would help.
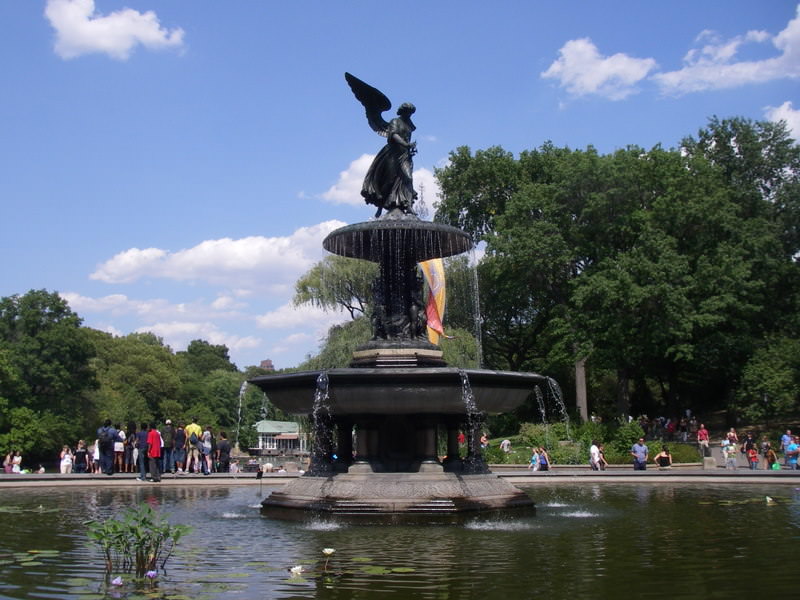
{"x": 655, "y": 540}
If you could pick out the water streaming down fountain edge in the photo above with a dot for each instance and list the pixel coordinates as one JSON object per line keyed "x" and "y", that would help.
{"x": 398, "y": 393}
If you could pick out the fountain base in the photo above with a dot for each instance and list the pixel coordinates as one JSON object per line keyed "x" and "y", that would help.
{"x": 413, "y": 493}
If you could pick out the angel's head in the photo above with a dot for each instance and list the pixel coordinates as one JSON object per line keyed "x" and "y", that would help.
{"x": 406, "y": 108}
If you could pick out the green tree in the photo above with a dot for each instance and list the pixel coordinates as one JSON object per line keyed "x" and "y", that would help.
{"x": 45, "y": 373}
{"x": 662, "y": 267}
{"x": 770, "y": 387}
{"x": 202, "y": 357}
{"x": 138, "y": 377}
{"x": 337, "y": 283}
{"x": 337, "y": 349}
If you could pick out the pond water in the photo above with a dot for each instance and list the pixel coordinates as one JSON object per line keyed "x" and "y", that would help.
{"x": 656, "y": 540}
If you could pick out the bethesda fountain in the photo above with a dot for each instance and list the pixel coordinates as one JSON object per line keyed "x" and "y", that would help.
{"x": 377, "y": 424}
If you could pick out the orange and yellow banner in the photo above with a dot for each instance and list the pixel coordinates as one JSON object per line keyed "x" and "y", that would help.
{"x": 433, "y": 270}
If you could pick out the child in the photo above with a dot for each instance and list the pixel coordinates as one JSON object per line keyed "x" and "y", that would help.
{"x": 729, "y": 452}
{"x": 752, "y": 458}
{"x": 534, "y": 464}
{"x": 772, "y": 459}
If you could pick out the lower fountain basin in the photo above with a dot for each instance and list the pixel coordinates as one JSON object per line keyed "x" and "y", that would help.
{"x": 409, "y": 493}
{"x": 400, "y": 391}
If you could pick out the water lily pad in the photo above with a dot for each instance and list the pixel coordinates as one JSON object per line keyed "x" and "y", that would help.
{"x": 45, "y": 552}
{"x": 77, "y": 581}
{"x": 31, "y": 563}
{"x": 361, "y": 559}
{"x": 402, "y": 570}
{"x": 375, "y": 570}
{"x": 237, "y": 574}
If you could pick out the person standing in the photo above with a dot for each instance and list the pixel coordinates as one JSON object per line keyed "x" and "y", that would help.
{"x": 168, "y": 435}
{"x": 154, "y": 452}
{"x": 729, "y": 454}
{"x": 603, "y": 461}
{"x": 81, "y": 458}
{"x": 141, "y": 451}
{"x": 703, "y": 440}
{"x": 224, "y": 453}
{"x": 193, "y": 434}
{"x": 639, "y": 452}
{"x": 534, "y": 463}
{"x": 16, "y": 462}
{"x": 179, "y": 453}
{"x": 128, "y": 459}
{"x": 792, "y": 452}
{"x": 65, "y": 466}
{"x": 206, "y": 449}
{"x": 106, "y": 437}
{"x": 594, "y": 456}
{"x": 786, "y": 439}
{"x": 119, "y": 450}
{"x": 544, "y": 459}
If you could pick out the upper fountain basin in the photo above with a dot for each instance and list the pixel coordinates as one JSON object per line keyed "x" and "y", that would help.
{"x": 419, "y": 240}
{"x": 400, "y": 390}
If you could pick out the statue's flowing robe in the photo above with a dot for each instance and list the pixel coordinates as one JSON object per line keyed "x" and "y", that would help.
{"x": 388, "y": 183}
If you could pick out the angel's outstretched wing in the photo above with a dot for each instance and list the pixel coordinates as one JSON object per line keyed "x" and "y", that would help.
{"x": 374, "y": 102}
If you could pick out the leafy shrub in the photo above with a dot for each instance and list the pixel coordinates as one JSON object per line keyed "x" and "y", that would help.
{"x": 138, "y": 540}
{"x": 626, "y": 436}
{"x": 573, "y": 453}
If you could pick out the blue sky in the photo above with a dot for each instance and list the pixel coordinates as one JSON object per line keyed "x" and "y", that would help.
{"x": 173, "y": 166}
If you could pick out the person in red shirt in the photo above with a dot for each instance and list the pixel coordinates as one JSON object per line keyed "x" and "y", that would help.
{"x": 154, "y": 452}
{"x": 702, "y": 440}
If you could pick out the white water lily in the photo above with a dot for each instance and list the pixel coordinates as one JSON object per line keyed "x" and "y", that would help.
{"x": 328, "y": 551}
{"x": 295, "y": 571}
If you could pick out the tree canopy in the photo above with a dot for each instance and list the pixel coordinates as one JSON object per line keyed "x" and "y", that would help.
{"x": 669, "y": 269}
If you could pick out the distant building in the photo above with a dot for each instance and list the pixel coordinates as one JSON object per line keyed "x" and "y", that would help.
{"x": 267, "y": 365}
{"x": 279, "y": 438}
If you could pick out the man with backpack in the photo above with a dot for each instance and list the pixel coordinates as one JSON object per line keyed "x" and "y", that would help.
{"x": 194, "y": 434}
{"x": 106, "y": 436}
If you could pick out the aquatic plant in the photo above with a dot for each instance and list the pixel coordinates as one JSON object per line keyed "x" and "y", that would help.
{"x": 138, "y": 540}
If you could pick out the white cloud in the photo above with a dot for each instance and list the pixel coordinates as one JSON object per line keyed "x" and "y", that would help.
{"x": 243, "y": 264}
{"x": 119, "y": 305}
{"x": 347, "y": 190}
{"x": 785, "y": 112}
{"x": 304, "y": 317}
{"x": 80, "y": 30}
{"x": 289, "y": 316}
{"x": 582, "y": 70}
{"x": 178, "y": 334}
{"x": 713, "y": 66}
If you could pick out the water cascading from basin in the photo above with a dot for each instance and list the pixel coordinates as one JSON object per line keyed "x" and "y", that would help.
{"x": 321, "y": 430}
{"x": 474, "y": 462}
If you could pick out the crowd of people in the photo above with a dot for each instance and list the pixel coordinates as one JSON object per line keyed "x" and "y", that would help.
{"x": 755, "y": 454}
{"x": 150, "y": 451}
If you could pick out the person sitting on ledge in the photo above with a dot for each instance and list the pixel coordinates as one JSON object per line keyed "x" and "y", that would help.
{"x": 663, "y": 459}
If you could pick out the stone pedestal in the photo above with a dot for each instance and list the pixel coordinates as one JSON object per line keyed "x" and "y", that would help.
{"x": 376, "y": 493}
{"x": 709, "y": 463}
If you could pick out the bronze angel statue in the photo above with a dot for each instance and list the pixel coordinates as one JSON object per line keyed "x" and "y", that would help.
{"x": 388, "y": 184}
